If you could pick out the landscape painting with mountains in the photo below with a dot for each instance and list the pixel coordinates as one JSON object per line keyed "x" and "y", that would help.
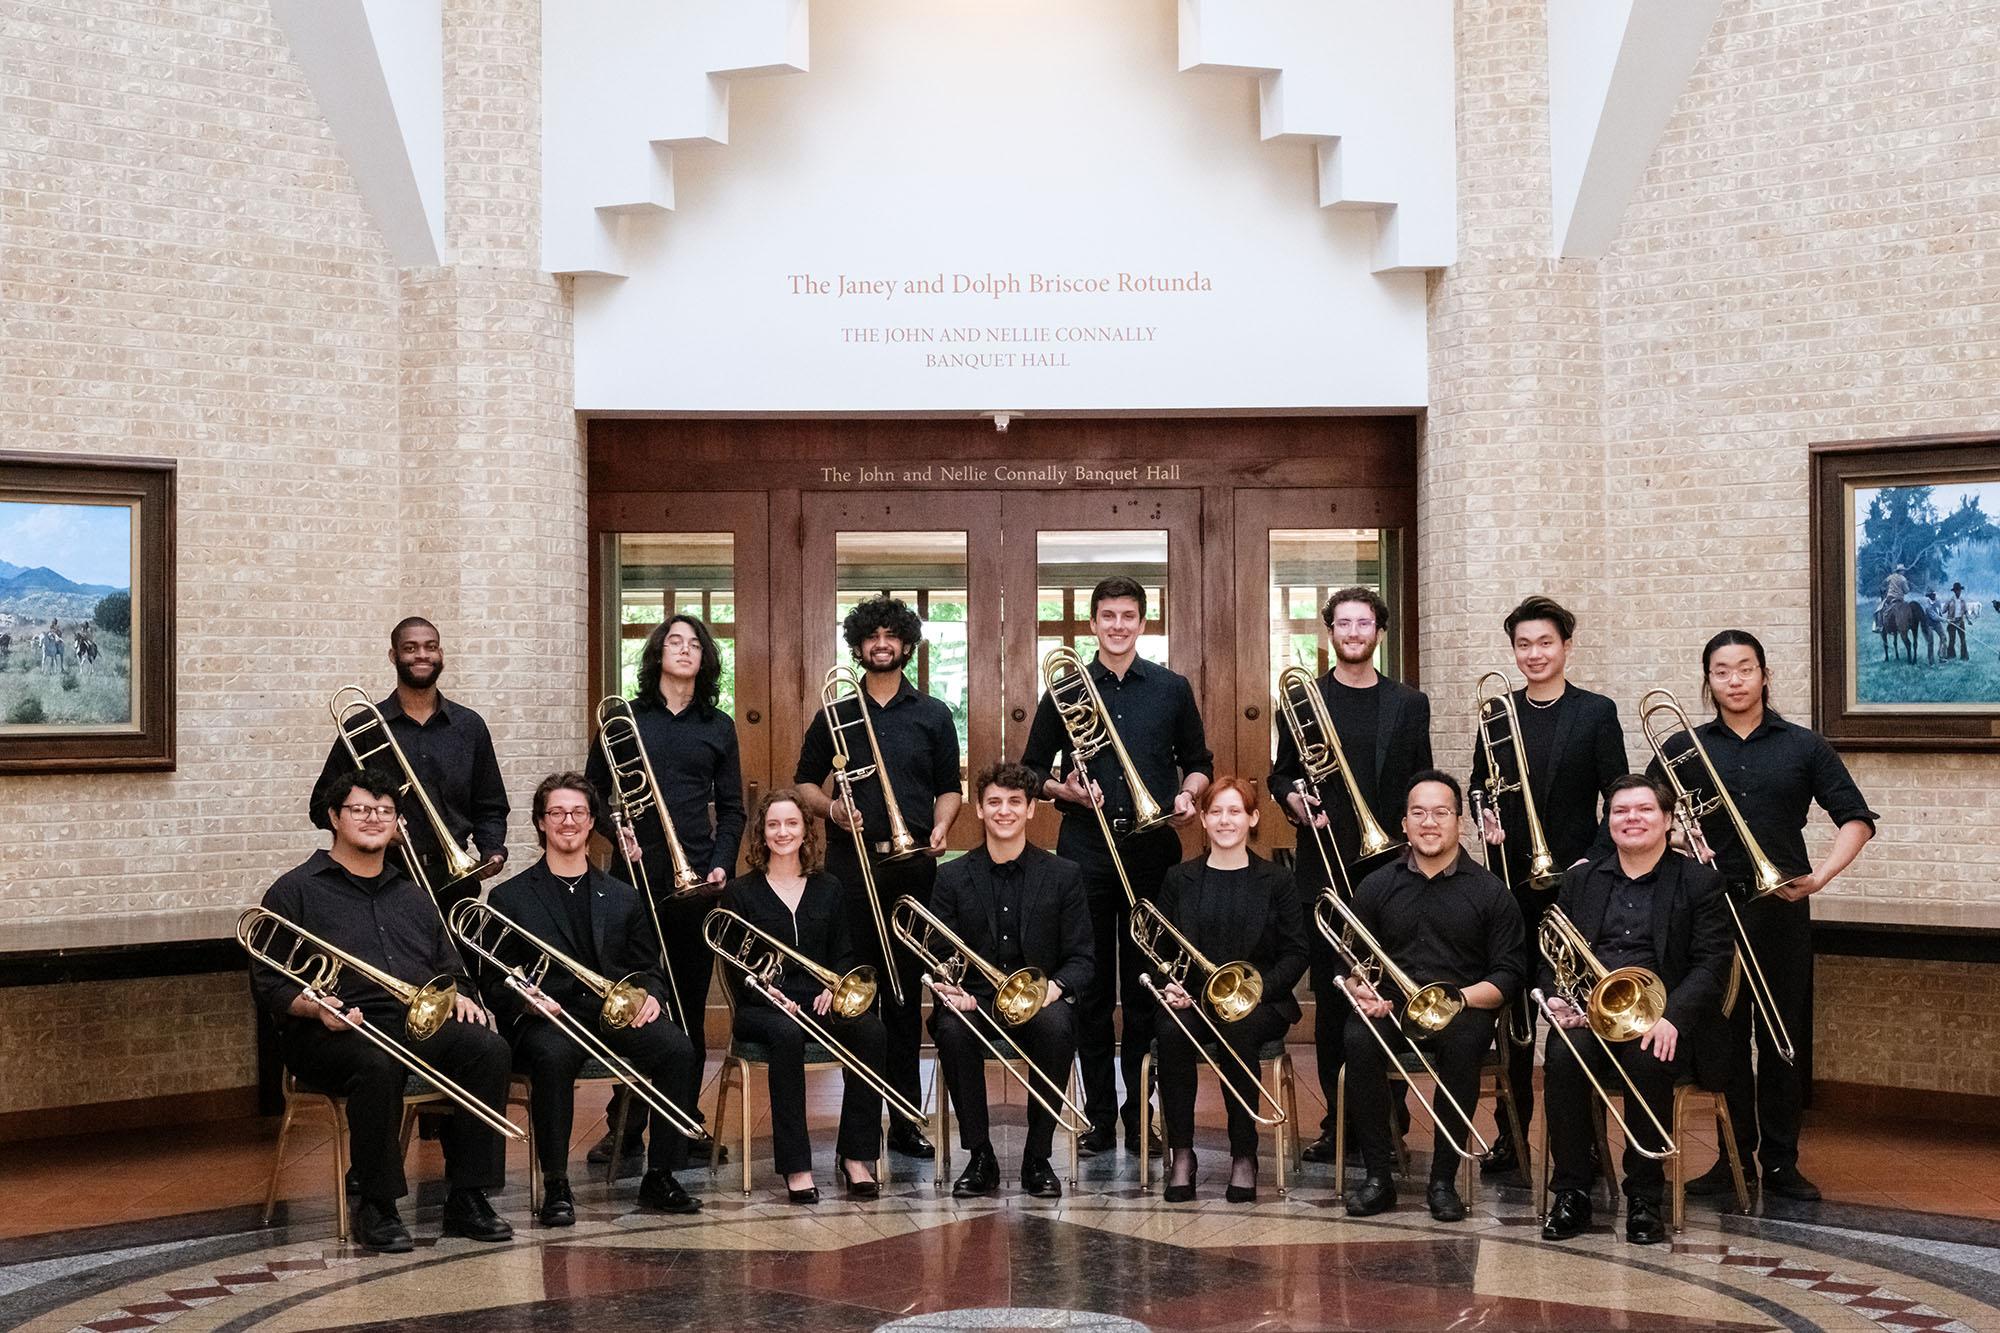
{"x": 65, "y": 615}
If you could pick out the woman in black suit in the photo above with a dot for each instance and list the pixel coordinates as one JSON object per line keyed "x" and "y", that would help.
{"x": 788, "y": 896}
{"x": 1232, "y": 906}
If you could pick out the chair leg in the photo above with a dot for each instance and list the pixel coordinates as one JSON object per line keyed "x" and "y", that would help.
{"x": 339, "y": 1169}
{"x": 618, "y": 1123}
{"x": 1340, "y": 1129}
{"x": 1276, "y": 1081}
{"x": 743, "y": 1116}
{"x": 1514, "y": 1131}
{"x": 1677, "y": 1166}
{"x": 944, "y": 1132}
{"x": 1541, "y": 1177}
{"x": 1605, "y": 1162}
{"x": 277, "y": 1164}
{"x": 1729, "y": 1147}
{"x": 1076, "y": 1155}
{"x": 719, "y": 1119}
{"x": 1145, "y": 1118}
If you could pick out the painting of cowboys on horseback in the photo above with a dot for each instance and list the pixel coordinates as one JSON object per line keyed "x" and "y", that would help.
{"x": 65, "y": 615}
{"x": 1926, "y": 596}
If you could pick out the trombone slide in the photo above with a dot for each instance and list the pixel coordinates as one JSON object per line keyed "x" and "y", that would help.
{"x": 1264, "y": 1094}
{"x": 1069, "y": 1117}
{"x": 1604, "y": 1096}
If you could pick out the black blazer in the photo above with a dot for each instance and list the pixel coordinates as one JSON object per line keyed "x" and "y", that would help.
{"x": 1055, "y": 920}
{"x": 818, "y": 930}
{"x": 1586, "y": 755}
{"x": 1693, "y": 945}
{"x": 621, "y": 940}
{"x": 1266, "y": 927}
{"x": 1402, "y": 750}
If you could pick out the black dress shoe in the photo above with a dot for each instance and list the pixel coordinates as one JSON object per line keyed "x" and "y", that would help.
{"x": 1715, "y": 1180}
{"x": 1445, "y": 1205}
{"x": 1643, "y": 1225}
{"x": 980, "y": 1177}
{"x": 854, "y": 1189}
{"x": 1320, "y": 1150}
{"x": 810, "y": 1194}
{"x": 1235, "y": 1193}
{"x": 1787, "y": 1183}
{"x": 1569, "y": 1215}
{"x": 377, "y": 1227}
{"x": 1377, "y": 1194}
{"x": 910, "y": 1141}
{"x": 558, "y": 1204}
{"x": 660, "y": 1192}
{"x": 1098, "y": 1139}
{"x": 635, "y": 1150}
{"x": 468, "y": 1214}
{"x": 1501, "y": 1160}
{"x": 1038, "y": 1180}
{"x": 1182, "y": 1193}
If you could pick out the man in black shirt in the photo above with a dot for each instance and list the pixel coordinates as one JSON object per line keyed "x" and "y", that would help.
{"x": 1385, "y": 732}
{"x": 451, "y": 751}
{"x": 1443, "y": 919}
{"x": 920, "y": 751}
{"x": 354, "y": 900}
{"x": 1575, "y": 749}
{"x": 691, "y": 745}
{"x": 1159, "y": 724}
{"x": 1638, "y": 906}
{"x": 1015, "y": 906}
{"x": 598, "y": 921}
{"x": 1774, "y": 770}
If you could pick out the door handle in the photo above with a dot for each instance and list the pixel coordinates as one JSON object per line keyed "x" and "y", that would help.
{"x": 1019, "y": 714}
{"x": 1252, "y": 713}
{"x": 753, "y": 717}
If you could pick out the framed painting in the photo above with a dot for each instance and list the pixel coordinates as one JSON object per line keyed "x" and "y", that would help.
{"x": 86, "y": 613}
{"x": 1906, "y": 593}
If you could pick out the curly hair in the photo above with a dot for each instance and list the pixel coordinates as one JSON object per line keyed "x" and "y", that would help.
{"x": 812, "y": 852}
{"x": 1357, "y": 593}
{"x": 890, "y": 613}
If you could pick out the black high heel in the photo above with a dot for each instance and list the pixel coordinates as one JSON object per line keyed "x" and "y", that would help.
{"x": 810, "y": 1194}
{"x": 1184, "y": 1193}
{"x": 855, "y": 1189}
{"x": 1242, "y": 1193}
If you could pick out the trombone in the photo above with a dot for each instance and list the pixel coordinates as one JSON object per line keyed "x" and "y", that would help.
{"x": 1016, "y": 998}
{"x": 1689, "y": 808}
{"x": 761, "y": 956}
{"x": 316, "y": 965}
{"x": 1520, "y": 1023}
{"x": 840, "y": 685}
{"x": 1498, "y": 714}
{"x": 1087, "y": 723}
{"x": 1231, "y": 990}
{"x": 1366, "y": 971}
{"x": 354, "y": 713}
{"x": 1427, "y": 1010}
{"x": 485, "y": 930}
{"x": 1618, "y": 1006}
{"x": 1320, "y": 754}
{"x": 635, "y": 792}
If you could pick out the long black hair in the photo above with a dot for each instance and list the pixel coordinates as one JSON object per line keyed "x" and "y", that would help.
{"x": 1734, "y": 638}
{"x": 707, "y": 677}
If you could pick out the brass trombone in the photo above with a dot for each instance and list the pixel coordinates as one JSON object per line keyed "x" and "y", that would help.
{"x": 354, "y": 713}
{"x": 1087, "y": 723}
{"x": 761, "y": 957}
{"x": 1618, "y": 1006}
{"x": 840, "y": 685}
{"x": 1498, "y": 714}
{"x": 1367, "y": 970}
{"x": 635, "y": 793}
{"x": 486, "y": 930}
{"x": 1231, "y": 990}
{"x": 1520, "y": 1023}
{"x": 1427, "y": 1010}
{"x": 1320, "y": 754}
{"x": 1689, "y": 808}
{"x": 316, "y": 965}
{"x": 1017, "y": 997}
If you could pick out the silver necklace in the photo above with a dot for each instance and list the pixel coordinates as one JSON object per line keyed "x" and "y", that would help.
{"x": 571, "y": 884}
{"x": 1537, "y": 703}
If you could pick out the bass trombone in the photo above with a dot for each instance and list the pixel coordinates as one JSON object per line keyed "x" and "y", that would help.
{"x": 1617, "y": 1006}
{"x": 312, "y": 963}
{"x": 1017, "y": 997}
{"x": 1427, "y": 1010}
{"x": 1231, "y": 991}
{"x": 354, "y": 714}
{"x": 1320, "y": 754}
{"x": 1497, "y": 714}
{"x": 635, "y": 793}
{"x": 761, "y": 957}
{"x": 1689, "y": 808}
{"x": 840, "y": 685}
{"x": 1325, "y": 906}
{"x": 486, "y": 930}
{"x": 1087, "y": 723}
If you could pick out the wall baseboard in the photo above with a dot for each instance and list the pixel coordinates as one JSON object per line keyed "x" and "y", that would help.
{"x": 181, "y": 1108}
{"x": 1875, "y": 1101}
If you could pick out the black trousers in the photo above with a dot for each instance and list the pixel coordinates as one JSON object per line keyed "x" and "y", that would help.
{"x": 903, "y": 1024}
{"x": 1331, "y": 1016}
{"x": 693, "y": 969}
{"x": 860, "y": 1136}
{"x": 1048, "y": 1040}
{"x": 1517, "y": 1062}
{"x": 1178, "y": 1069}
{"x": 347, "y": 1064}
{"x": 1457, "y": 1055}
{"x": 552, "y": 1062}
{"x": 1569, "y": 1104}
{"x": 1115, "y": 978}
{"x": 1765, "y": 1101}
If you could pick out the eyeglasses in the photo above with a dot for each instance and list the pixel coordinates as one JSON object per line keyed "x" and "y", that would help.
{"x": 1437, "y": 816}
{"x": 565, "y": 816}
{"x": 371, "y": 814}
{"x": 1354, "y": 626}
{"x": 1724, "y": 676}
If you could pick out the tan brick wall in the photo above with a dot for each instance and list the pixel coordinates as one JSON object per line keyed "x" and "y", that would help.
{"x": 1907, "y": 1024}
{"x": 74, "y": 1045}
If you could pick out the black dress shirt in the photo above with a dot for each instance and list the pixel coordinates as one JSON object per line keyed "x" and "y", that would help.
{"x": 818, "y": 929}
{"x": 695, "y": 759}
{"x": 387, "y": 922}
{"x": 919, "y": 744}
{"x": 1054, "y": 920}
{"x": 1773, "y": 775}
{"x": 1460, "y": 927}
{"x": 602, "y": 924}
{"x": 1158, "y": 723}
{"x": 1626, "y": 938}
{"x": 1400, "y": 749}
{"x": 452, "y": 753}
{"x": 1250, "y": 915}
{"x": 1007, "y": 914}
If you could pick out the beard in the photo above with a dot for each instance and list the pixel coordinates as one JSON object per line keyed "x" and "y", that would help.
{"x": 902, "y": 660}
{"x": 405, "y": 677}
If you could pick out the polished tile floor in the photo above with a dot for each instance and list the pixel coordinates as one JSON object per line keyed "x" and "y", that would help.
{"x": 139, "y": 1231}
